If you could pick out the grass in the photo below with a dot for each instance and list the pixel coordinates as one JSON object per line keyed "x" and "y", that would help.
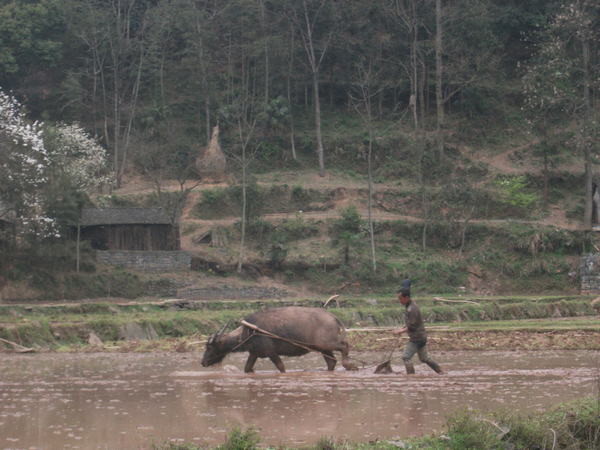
{"x": 574, "y": 425}
{"x": 70, "y": 325}
{"x": 533, "y": 325}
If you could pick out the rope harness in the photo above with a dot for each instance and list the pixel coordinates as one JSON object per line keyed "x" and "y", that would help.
{"x": 269, "y": 334}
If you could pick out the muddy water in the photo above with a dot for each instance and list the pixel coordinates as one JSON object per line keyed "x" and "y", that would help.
{"x": 121, "y": 401}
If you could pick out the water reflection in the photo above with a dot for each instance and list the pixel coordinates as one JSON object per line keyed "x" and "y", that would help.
{"x": 102, "y": 401}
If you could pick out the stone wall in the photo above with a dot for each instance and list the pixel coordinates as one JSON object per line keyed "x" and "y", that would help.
{"x": 196, "y": 293}
{"x": 589, "y": 271}
{"x": 146, "y": 261}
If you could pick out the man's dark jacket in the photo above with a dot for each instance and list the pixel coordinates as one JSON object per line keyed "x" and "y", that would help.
{"x": 414, "y": 322}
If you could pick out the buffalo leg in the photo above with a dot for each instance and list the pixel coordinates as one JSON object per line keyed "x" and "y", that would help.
{"x": 345, "y": 359}
{"x": 250, "y": 363}
{"x": 278, "y": 362}
{"x": 330, "y": 360}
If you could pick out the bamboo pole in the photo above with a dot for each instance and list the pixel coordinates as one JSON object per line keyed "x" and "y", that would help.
{"x": 18, "y": 348}
{"x": 441, "y": 299}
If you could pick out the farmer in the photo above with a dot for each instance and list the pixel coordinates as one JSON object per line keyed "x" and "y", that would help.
{"x": 406, "y": 284}
{"x": 413, "y": 325}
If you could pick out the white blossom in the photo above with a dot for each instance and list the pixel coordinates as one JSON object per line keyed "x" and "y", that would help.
{"x": 23, "y": 167}
{"x": 80, "y": 157}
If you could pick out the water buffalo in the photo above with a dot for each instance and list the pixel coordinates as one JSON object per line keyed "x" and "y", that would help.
{"x": 311, "y": 328}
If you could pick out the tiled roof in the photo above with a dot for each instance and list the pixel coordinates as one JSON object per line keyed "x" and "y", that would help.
{"x": 124, "y": 216}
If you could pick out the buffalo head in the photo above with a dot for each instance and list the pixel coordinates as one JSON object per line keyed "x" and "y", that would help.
{"x": 215, "y": 351}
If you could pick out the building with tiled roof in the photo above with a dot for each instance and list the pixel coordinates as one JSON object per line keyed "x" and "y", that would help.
{"x": 146, "y": 229}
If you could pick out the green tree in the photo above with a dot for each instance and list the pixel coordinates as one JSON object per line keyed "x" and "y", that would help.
{"x": 557, "y": 82}
{"x": 348, "y": 231}
{"x": 32, "y": 46}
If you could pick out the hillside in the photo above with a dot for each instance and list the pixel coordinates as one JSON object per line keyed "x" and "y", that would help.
{"x": 508, "y": 249}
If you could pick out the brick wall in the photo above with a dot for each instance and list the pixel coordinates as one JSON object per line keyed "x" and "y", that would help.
{"x": 146, "y": 261}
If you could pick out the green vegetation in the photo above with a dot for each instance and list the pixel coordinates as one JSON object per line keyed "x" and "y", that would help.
{"x": 574, "y": 426}
{"x": 68, "y": 326}
{"x": 468, "y": 218}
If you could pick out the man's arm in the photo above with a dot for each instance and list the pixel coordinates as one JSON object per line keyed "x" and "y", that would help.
{"x": 401, "y": 331}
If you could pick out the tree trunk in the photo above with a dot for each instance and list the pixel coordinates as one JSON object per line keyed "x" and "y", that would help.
{"x": 422, "y": 81}
{"x": 423, "y": 199}
{"x": 439, "y": 102}
{"x": 229, "y": 72}
{"x": 241, "y": 256}
{"x": 117, "y": 123}
{"x": 587, "y": 222}
{"x": 78, "y": 241}
{"x": 371, "y": 231}
{"x": 425, "y": 221}
{"x": 546, "y": 178}
{"x": 414, "y": 81}
{"x": 464, "y": 232}
{"x": 265, "y": 35}
{"x": 289, "y": 95}
{"x": 318, "y": 125}
{"x": 330, "y": 87}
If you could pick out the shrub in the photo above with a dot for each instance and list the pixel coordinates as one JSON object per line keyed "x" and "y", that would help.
{"x": 297, "y": 193}
{"x": 258, "y": 229}
{"x": 298, "y": 228}
{"x": 466, "y": 431}
{"x": 350, "y": 220}
{"x": 214, "y": 196}
{"x": 513, "y": 190}
{"x": 240, "y": 439}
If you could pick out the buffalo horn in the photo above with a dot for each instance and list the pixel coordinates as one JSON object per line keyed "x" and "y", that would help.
{"x": 224, "y": 328}
{"x": 218, "y": 334}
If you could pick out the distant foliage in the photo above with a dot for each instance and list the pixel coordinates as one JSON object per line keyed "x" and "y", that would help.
{"x": 552, "y": 79}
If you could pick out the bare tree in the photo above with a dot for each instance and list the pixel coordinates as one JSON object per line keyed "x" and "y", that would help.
{"x": 289, "y": 90}
{"x": 316, "y": 43}
{"x": 408, "y": 14}
{"x": 366, "y": 89}
{"x": 201, "y": 21}
{"x": 116, "y": 35}
{"x": 243, "y": 119}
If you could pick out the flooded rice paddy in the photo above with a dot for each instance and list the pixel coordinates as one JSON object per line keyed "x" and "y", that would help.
{"x": 122, "y": 401}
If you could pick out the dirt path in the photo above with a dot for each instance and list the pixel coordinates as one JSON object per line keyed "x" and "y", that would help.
{"x": 501, "y": 163}
{"x": 507, "y": 163}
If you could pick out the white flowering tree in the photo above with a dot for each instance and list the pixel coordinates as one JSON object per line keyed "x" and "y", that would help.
{"x": 75, "y": 155}
{"x": 78, "y": 167}
{"x": 23, "y": 169}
